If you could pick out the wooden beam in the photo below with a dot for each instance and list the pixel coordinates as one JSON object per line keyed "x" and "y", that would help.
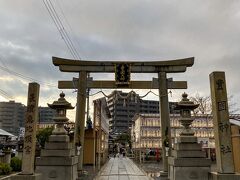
{"x": 133, "y": 85}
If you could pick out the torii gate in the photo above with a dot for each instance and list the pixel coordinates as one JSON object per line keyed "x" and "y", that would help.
{"x": 162, "y": 83}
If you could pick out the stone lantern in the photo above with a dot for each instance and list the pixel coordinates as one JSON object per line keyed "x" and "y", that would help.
{"x": 187, "y": 160}
{"x": 61, "y": 106}
{"x": 185, "y": 106}
{"x": 58, "y": 160}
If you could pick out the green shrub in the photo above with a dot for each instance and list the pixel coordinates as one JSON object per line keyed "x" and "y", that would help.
{"x": 16, "y": 164}
{"x": 5, "y": 169}
{"x": 43, "y": 135}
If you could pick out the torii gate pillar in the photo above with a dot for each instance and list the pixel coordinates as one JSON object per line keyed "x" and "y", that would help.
{"x": 80, "y": 116}
{"x": 165, "y": 120}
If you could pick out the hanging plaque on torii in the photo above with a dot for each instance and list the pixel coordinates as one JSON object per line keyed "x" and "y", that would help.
{"x": 122, "y": 74}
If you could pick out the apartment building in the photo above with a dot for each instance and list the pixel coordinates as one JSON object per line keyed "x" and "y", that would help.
{"x": 11, "y": 116}
{"x": 123, "y": 107}
{"x": 46, "y": 114}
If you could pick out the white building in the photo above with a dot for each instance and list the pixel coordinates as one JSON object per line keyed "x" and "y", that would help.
{"x": 146, "y": 131}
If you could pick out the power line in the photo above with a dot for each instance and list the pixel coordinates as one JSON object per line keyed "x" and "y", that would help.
{"x": 24, "y": 77}
{"x": 58, "y": 28}
{"x": 5, "y": 94}
{"x": 69, "y": 25}
{"x": 19, "y": 75}
{"x": 68, "y": 37}
{"x": 61, "y": 29}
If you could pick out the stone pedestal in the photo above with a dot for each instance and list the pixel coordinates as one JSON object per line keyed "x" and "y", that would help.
{"x": 188, "y": 160}
{"x": 219, "y": 176}
{"x": 27, "y": 177}
{"x": 58, "y": 160}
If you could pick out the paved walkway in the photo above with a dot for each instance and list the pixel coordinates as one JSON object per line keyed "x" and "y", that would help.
{"x": 121, "y": 169}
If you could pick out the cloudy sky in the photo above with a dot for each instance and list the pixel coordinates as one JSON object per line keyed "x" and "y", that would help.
{"x": 117, "y": 30}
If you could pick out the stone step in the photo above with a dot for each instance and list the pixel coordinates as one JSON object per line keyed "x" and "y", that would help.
{"x": 59, "y": 138}
{"x": 188, "y": 146}
{"x": 225, "y": 176}
{"x": 188, "y": 154}
{"x": 58, "y": 145}
{"x": 57, "y": 172}
{"x": 51, "y": 161}
{"x": 187, "y": 139}
{"x": 189, "y": 162}
{"x": 57, "y": 153}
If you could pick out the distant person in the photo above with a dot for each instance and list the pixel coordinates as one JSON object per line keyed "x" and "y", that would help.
{"x": 124, "y": 152}
{"x": 121, "y": 150}
{"x": 13, "y": 152}
{"x": 213, "y": 156}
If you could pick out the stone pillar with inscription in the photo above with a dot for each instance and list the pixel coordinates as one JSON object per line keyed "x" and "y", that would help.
{"x": 31, "y": 120}
{"x": 222, "y": 129}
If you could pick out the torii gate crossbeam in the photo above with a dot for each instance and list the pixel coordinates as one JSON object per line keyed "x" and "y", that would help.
{"x": 171, "y": 66}
{"x": 112, "y": 85}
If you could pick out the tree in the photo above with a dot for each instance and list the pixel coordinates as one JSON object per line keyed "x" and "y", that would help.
{"x": 43, "y": 135}
{"x": 205, "y": 106}
{"x": 232, "y": 106}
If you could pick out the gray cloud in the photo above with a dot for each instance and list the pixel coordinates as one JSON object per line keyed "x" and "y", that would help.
{"x": 136, "y": 29}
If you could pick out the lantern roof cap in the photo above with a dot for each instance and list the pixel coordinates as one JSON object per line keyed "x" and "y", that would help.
{"x": 61, "y": 103}
{"x": 185, "y": 103}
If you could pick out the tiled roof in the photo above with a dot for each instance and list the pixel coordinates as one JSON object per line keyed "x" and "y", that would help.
{"x": 5, "y": 133}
